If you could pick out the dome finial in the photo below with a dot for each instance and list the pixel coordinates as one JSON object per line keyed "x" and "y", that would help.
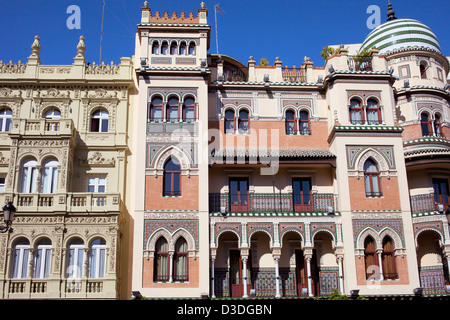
{"x": 391, "y": 12}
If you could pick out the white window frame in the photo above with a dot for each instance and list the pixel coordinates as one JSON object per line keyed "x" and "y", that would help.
{"x": 5, "y": 120}
{"x": 2, "y": 183}
{"x": 97, "y": 259}
{"x": 96, "y": 182}
{"x": 20, "y": 261}
{"x": 45, "y": 251}
{"x": 50, "y": 179}
{"x": 28, "y": 176}
{"x": 101, "y": 115}
{"x": 74, "y": 269}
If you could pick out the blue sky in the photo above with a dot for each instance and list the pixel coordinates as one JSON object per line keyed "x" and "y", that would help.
{"x": 290, "y": 30}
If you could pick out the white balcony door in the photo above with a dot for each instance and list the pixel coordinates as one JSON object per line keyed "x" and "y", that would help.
{"x": 50, "y": 177}
{"x": 29, "y": 176}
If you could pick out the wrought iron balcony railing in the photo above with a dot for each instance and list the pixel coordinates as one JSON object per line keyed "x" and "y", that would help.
{"x": 269, "y": 202}
{"x": 429, "y": 202}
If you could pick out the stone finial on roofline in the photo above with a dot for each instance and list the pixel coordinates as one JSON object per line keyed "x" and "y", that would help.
{"x": 34, "y": 59}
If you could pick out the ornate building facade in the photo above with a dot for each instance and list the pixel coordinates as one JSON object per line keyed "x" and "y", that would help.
{"x": 274, "y": 181}
{"x": 64, "y": 150}
{"x": 240, "y": 180}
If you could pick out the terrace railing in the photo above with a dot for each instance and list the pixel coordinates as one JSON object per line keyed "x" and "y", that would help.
{"x": 270, "y": 202}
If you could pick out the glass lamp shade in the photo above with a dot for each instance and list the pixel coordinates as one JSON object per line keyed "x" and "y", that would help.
{"x": 8, "y": 212}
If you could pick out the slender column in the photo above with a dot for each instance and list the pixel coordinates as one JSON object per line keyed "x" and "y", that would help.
{"x": 85, "y": 264}
{"x": 277, "y": 277}
{"x": 341, "y": 277}
{"x": 30, "y": 263}
{"x": 212, "y": 278}
{"x": 380, "y": 264}
{"x": 170, "y": 266}
{"x": 244, "y": 271}
{"x": 308, "y": 269}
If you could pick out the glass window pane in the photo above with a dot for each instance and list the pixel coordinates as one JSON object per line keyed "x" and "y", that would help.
{"x": 176, "y": 184}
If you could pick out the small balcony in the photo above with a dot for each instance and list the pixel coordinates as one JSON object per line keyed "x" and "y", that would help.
{"x": 269, "y": 202}
{"x": 429, "y": 202}
{"x": 43, "y": 127}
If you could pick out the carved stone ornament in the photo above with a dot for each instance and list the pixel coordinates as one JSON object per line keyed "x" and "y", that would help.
{"x": 97, "y": 160}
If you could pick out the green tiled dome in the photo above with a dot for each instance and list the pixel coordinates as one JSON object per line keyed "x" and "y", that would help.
{"x": 401, "y": 34}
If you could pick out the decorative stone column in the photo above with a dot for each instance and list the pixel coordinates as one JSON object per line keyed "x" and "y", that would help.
{"x": 277, "y": 277}
{"x": 308, "y": 254}
{"x": 244, "y": 271}
{"x": 170, "y": 266}
{"x": 380, "y": 263}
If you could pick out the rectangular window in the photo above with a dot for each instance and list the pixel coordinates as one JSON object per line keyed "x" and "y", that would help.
{"x": 96, "y": 185}
{"x": 239, "y": 198}
{"x": 302, "y": 194}
{"x": 2, "y": 184}
{"x": 441, "y": 192}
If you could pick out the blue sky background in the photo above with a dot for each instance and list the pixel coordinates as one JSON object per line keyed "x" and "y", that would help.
{"x": 290, "y": 30}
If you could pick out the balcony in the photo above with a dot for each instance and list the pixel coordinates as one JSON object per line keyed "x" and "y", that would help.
{"x": 269, "y": 202}
{"x": 43, "y": 127}
{"x": 30, "y": 288}
{"x": 429, "y": 202}
{"x": 64, "y": 202}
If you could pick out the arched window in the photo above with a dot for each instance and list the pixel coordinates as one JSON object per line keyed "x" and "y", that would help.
{"x": 425, "y": 124}
{"x": 52, "y": 114}
{"x": 388, "y": 260}
{"x": 173, "y": 109}
{"x": 5, "y": 120}
{"x": 356, "y": 112}
{"x": 172, "y": 178}
{"x": 183, "y": 48}
{"x": 371, "y": 259}
{"x": 423, "y": 70}
{"x": 164, "y": 48}
{"x": 291, "y": 128}
{"x": 181, "y": 260}
{"x": 373, "y": 112}
{"x": 229, "y": 121}
{"x": 192, "y": 48}
{"x": 97, "y": 258}
{"x": 100, "y": 121}
{"x": 28, "y": 176}
{"x": 42, "y": 259}
{"x": 372, "y": 179}
{"x": 437, "y": 126}
{"x": 20, "y": 256}
{"x": 189, "y": 110}
{"x": 173, "y": 48}
{"x": 161, "y": 267}
{"x": 156, "y": 110}
{"x": 50, "y": 176}
{"x": 304, "y": 123}
{"x": 75, "y": 259}
{"x": 155, "y": 47}
{"x": 244, "y": 121}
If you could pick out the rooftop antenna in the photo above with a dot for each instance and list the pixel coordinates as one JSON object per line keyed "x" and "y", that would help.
{"x": 217, "y": 8}
{"x": 101, "y": 36}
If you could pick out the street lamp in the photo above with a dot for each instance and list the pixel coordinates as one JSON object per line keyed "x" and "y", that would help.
{"x": 8, "y": 216}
